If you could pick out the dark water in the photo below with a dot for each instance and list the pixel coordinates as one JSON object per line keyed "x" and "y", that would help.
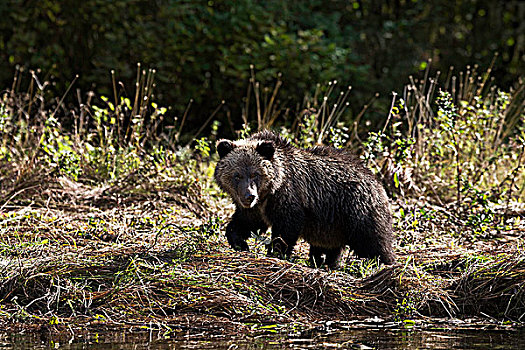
{"x": 347, "y": 339}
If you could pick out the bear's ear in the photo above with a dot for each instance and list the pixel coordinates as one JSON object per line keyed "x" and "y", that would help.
{"x": 224, "y": 147}
{"x": 266, "y": 149}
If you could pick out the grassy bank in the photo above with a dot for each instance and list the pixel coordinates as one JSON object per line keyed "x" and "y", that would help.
{"x": 110, "y": 221}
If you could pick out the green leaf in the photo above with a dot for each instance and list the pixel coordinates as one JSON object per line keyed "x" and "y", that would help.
{"x": 396, "y": 180}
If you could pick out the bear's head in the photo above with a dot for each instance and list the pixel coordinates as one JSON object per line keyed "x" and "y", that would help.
{"x": 246, "y": 170}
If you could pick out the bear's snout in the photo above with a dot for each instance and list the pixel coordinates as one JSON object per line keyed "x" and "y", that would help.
{"x": 250, "y": 197}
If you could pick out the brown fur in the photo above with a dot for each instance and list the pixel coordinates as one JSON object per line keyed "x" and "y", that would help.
{"x": 324, "y": 195}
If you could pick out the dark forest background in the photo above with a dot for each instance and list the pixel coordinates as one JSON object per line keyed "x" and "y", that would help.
{"x": 202, "y": 50}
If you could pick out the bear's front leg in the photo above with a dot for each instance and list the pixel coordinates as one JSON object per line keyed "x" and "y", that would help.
{"x": 236, "y": 238}
{"x": 285, "y": 233}
{"x": 241, "y": 226}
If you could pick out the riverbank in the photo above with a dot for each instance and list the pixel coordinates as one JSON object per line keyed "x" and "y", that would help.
{"x": 110, "y": 218}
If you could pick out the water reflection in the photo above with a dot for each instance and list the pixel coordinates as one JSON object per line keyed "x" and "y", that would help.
{"x": 347, "y": 339}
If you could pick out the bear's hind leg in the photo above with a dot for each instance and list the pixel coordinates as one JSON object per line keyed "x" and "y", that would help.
{"x": 374, "y": 248}
{"x": 333, "y": 257}
{"x": 316, "y": 256}
{"x": 325, "y": 257}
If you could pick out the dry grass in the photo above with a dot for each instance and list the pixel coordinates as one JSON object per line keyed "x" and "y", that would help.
{"x": 165, "y": 264}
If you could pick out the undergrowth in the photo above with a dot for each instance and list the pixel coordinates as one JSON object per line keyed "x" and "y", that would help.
{"x": 109, "y": 215}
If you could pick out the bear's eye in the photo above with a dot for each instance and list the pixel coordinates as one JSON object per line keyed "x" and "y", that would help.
{"x": 236, "y": 176}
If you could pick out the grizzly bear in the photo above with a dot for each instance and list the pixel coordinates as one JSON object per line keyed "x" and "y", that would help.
{"x": 322, "y": 194}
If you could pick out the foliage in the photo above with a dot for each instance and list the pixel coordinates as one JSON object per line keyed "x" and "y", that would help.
{"x": 203, "y": 50}
{"x": 463, "y": 150}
